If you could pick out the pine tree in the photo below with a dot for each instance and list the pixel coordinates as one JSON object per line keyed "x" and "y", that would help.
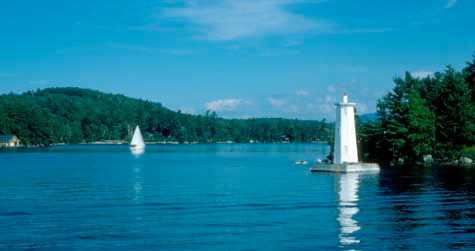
{"x": 421, "y": 129}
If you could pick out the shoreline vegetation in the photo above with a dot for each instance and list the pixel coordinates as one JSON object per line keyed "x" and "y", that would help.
{"x": 428, "y": 120}
{"x": 74, "y": 115}
{"x": 120, "y": 142}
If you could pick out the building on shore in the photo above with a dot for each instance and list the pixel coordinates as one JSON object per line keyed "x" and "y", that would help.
{"x": 9, "y": 140}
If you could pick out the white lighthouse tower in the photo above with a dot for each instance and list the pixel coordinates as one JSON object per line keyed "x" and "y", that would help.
{"x": 345, "y": 150}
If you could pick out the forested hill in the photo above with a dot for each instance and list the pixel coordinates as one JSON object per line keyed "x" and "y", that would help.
{"x": 75, "y": 115}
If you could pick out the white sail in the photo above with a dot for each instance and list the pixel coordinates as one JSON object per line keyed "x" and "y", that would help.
{"x": 137, "y": 139}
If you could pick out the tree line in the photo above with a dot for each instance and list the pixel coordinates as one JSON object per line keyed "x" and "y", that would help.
{"x": 75, "y": 115}
{"x": 432, "y": 116}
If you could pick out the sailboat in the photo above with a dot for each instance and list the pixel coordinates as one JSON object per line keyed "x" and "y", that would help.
{"x": 137, "y": 144}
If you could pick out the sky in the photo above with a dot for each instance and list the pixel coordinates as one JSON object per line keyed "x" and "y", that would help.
{"x": 240, "y": 58}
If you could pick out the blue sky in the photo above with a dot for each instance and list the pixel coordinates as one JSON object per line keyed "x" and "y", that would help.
{"x": 242, "y": 58}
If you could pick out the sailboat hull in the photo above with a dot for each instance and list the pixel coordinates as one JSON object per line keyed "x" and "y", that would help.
{"x": 137, "y": 147}
{"x": 137, "y": 150}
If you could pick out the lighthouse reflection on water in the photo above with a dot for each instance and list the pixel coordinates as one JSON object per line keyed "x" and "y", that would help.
{"x": 347, "y": 208}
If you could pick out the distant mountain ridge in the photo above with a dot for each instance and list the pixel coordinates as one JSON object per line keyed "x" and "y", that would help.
{"x": 75, "y": 115}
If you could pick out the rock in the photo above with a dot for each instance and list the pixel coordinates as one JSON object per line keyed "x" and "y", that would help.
{"x": 465, "y": 160}
{"x": 400, "y": 161}
{"x": 428, "y": 159}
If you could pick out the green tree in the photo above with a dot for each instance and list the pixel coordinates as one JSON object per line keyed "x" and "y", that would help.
{"x": 434, "y": 115}
{"x": 420, "y": 129}
{"x": 454, "y": 114}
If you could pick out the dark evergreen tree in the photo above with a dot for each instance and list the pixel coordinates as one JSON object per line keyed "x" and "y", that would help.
{"x": 434, "y": 115}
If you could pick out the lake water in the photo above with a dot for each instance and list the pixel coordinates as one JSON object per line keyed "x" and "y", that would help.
{"x": 224, "y": 197}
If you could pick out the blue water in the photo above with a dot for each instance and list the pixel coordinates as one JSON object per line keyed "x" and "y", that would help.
{"x": 224, "y": 197}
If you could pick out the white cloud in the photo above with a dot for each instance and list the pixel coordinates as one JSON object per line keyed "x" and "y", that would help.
{"x": 422, "y": 74}
{"x": 450, "y": 4}
{"x": 225, "y": 104}
{"x": 226, "y": 20}
{"x": 302, "y": 93}
{"x": 276, "y": 101}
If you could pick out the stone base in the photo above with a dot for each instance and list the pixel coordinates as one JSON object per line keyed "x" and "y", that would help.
{"x": 346, "y": 168}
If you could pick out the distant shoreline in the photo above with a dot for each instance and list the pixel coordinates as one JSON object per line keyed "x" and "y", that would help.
{"x": 188, "y": 143}
{"x": 119, "y": 142}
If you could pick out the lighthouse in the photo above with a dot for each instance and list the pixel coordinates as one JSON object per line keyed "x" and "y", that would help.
{"x": 345, "y": 149}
